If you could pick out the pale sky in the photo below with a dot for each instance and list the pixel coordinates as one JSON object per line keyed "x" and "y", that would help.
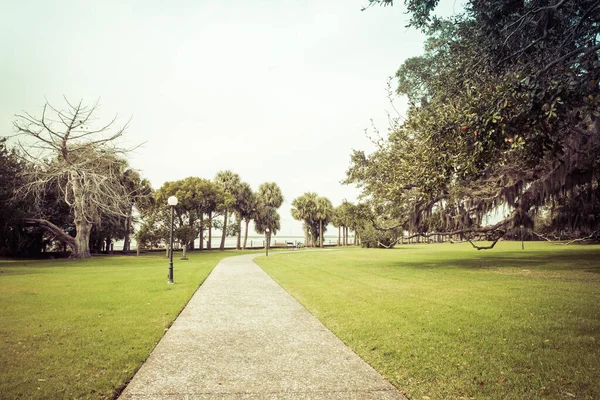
{"x": 278, "y": 90}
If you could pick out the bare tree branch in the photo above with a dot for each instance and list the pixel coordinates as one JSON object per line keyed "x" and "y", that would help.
{"x": 593, "y": 235}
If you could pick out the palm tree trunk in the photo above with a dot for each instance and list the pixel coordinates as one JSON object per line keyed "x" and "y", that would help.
{"x": 208, "y": 246}
{"x": 246, "y": 233}
{"x": 339, "y": 235}
{"x": 306, "y": 235}
{"x": 222, "y": 247}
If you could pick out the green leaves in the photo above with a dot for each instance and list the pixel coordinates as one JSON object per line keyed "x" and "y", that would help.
{"x": 502, "y": 96}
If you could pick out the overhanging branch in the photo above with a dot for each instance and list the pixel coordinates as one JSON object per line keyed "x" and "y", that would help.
{"x": 53, "y": 230}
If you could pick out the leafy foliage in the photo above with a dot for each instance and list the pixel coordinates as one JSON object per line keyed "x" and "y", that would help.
{"x": 504, "y": 112}
{"x": 15, "y": 237}
{"x": 316, "y": 213}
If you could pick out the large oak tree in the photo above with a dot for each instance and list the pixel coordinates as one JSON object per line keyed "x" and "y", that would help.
{"x": 70, "y": 151}
{"x": 504, "y": 112}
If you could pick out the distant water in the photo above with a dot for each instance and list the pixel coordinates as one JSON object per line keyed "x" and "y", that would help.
{"x": 253, "y": 241}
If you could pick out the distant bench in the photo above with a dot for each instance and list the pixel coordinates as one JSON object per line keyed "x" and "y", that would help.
{"x": 283, "y": 244}
{"x": 286, "y": 244}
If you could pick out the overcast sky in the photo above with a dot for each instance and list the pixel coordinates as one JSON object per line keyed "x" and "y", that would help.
{"x": 274, "y": 90}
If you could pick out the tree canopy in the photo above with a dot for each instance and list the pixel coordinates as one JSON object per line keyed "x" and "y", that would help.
{"x": 504, "y": 113}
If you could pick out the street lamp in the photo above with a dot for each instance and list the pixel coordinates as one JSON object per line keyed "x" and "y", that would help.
{"x": 522, "y": 245}
{"x": 172, "y": 202}
{"x": 267, "y": 237}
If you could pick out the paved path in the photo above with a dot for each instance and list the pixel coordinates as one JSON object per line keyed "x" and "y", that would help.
{"x": 242, "y": 336}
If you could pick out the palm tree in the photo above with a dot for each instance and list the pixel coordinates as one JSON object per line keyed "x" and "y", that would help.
{"x": 270, "y": 194}
{"x": 336, "y": 221}
{"x": 303, "y": 209}
{"x": 268, "y": 200}
{"x": 229, "y": 182}
{"x": 247, "y": 215}
{"x": 323, "y": 213}
{"x": 212, "y": 209}
{"x": 266, "y": 217}
{"x": 208, "y": 194}
{"x": 244, "y": 207}
{"x": 344, "y": 215}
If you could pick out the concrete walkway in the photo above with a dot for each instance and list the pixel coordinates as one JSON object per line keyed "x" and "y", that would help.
{"x": 242, "y": 336}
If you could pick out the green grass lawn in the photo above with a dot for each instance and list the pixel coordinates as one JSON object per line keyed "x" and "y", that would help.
{"x": 81, "y": 329}
{"x": 447, "y": 321}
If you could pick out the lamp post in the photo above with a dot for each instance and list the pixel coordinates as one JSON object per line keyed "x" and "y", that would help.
{"x": 172, "y": 202}
{"x": 267, "y": 237}
{"x": 522, "y": 245}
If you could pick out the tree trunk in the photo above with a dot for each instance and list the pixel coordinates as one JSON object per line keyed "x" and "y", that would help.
{"x": 107, "y": 241}
{"x": 321, "y": 233}
{"x": 191, "y": 245}
{"x": 201, "y": 246}
{"x": 305, "y": 235}
{"x": 239, "y": 233}
{"x": 82, "y": 240}
{"x": 127, "y": 240}
{"x": 82, "y": 226}
{"x": 339, "y": 235}
{"x": 355, "y": 238}
{"x": 208, "y": 245}
{"x": 222, "y": 247}
{"x": 246, "y": 233}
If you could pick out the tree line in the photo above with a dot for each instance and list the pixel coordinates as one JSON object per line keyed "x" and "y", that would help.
{"x": 504, "y": 114}
{"x": 66, "y": 185}
{"x": 226, "y": 203}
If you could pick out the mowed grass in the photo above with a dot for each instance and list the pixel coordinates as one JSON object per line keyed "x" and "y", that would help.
{"x": 446, "y": 321}
{"x": 81, "y": 329}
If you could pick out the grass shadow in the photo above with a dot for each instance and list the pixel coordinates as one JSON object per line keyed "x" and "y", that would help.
{"x": 577, "y": 258}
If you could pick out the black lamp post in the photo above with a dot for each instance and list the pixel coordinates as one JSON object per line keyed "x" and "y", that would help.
{"x": 172, "y": 202}
{"x": 268, "y": 240}
{"x": 522, "y": 245}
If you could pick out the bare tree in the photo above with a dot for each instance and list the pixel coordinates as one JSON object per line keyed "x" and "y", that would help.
{"x": 67, "y": 152}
